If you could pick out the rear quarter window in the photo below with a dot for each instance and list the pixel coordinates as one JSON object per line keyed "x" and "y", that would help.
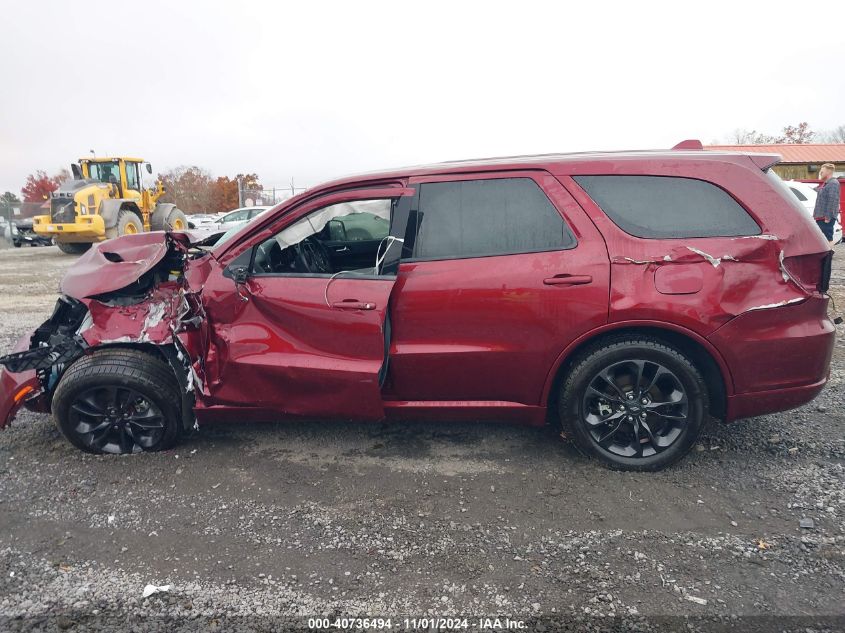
{"x": 668, "y": 207}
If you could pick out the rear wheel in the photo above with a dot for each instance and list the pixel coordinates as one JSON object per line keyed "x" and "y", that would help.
{"x": 634, "y": 403}
{"x": 118, "y": 401}
{"x": 73, "y": 248}
{"x": 128, "y": 223}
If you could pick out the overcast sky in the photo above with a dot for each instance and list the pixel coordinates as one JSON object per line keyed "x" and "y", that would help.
{"x": 314, "y": 90}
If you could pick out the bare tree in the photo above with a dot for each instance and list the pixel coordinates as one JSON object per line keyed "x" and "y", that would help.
{"x": 753, "y": 137}
{"x": 836, "y": 135}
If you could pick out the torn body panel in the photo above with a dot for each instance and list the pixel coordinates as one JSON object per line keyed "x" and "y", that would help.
{"x": 758, "y": 299}
{"x": 131, "y": 291}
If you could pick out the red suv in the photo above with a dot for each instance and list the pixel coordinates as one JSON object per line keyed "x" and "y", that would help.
{"x": 626, "y": 296}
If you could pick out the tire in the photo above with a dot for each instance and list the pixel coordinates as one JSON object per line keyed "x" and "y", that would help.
{"x": 103, "y": 394}
{"x": 176, "y": 221}
{"x": 172, "y": 220}
{"x": 128, "y": 223}
{"x": 73, "y": 248}
{"x": 650, "y": 419}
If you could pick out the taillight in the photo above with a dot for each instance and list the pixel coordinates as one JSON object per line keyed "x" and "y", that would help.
{"x": 811, "y": 271}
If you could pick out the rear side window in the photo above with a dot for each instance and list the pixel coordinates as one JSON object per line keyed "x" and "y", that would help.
{"x": 477, "y": 218}
{"x": 668, "y": 207}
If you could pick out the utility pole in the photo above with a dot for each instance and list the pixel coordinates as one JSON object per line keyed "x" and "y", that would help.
{"x": 240, "y": 192}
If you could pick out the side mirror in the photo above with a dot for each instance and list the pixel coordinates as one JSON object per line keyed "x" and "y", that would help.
{"x": 77, "y": 173}
{"x": 240, "y": 275}
{"x": 149, "y": 168}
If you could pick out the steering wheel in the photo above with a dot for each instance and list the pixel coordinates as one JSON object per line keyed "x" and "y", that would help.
{"x": 313, "y": 257}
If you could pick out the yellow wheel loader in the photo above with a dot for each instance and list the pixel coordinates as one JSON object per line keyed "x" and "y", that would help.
{"x": 105, "y": 199}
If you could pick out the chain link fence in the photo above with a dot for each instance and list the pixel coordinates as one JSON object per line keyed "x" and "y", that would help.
{"x": 268, "y": 196}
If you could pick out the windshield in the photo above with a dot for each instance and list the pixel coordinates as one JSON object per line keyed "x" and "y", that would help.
{"x": 228, "y": 234}
{"x": 104, "y": 172}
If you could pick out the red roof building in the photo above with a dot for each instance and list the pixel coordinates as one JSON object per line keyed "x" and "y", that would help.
{"x": 799, "y": 161}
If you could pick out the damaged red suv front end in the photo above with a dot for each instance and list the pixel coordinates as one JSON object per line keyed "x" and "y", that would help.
{"x": 132, "y": 291}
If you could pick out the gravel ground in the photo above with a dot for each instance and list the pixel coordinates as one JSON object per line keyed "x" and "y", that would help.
{"x": 255, "y": 526}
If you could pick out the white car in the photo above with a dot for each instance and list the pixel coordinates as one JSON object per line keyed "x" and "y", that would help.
{"x": 240, "y": 215}
{"x": 204, "y": 220}
{"x": 806, "y": 194}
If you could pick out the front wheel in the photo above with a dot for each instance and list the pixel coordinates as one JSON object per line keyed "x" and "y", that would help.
{"x": 128, "y": 223}
{"x": 118, "y": 401}
{"x": 634, "y": 403}
{"x": 73, "y": 248}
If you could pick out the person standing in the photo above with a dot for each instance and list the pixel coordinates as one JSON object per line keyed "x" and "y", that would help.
{"x": 827, "y": 201}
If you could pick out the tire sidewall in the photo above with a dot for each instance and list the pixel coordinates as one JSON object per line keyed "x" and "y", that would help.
{"x": 573, "y": 394}
{"x": 126, "y": 218}
{"x": 65, "y": 395}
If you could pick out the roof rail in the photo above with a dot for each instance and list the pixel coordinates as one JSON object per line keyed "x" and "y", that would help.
{"x": 691, "y": 143}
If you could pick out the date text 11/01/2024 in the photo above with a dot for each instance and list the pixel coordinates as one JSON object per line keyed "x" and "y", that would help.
{"x": 417, "y": 624}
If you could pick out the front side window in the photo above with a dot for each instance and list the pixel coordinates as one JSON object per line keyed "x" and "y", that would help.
{"x": 235, "y": 216}
{"x": 478, "y": 218}
{"x": 104, "y": 172}
{"x": 344, "y": 237}
{"x": 132, "y": 176}
{"x": 668, "y": 207}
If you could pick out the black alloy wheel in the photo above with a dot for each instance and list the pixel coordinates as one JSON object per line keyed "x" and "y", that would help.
{"x": 635, "y": 408}
{"x": 119, "y": 400}
{"x": 634, "y": 402}
{"x": 113, "y": 419}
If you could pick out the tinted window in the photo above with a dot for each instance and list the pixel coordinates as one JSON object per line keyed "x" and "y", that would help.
{"x": 661, "y": 206}
{"x": 474, "y": 218}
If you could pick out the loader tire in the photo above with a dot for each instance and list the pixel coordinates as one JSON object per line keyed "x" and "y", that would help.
{"x": 72, "y": 248}
{"x": 174, "y": 220}
{"x": 128, "y": 223}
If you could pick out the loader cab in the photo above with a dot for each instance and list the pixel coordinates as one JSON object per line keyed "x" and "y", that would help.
{"x": 123, "y": 173}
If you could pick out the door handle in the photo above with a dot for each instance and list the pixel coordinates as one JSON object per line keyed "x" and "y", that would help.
{"x": 568, "y": 280}
{"x": 341, "y": 250}
{"x": 352, "y": 304}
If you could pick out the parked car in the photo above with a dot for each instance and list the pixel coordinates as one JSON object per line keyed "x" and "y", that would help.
{"x": 203, "y": 220}
{"x": 806, "y": 194}
{"x": 627, "y": 297}
{"x": 22, "y": 233}
{"x": 241, "y": 215}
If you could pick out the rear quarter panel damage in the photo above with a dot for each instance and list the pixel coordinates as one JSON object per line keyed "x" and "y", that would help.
{"x": 736, "y": 292}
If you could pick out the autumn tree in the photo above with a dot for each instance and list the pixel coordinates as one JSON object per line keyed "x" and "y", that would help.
{"x": 189, "y": 187}
{"x": 39, "y": 186}
{"x": 224, "y": 194}
{"x": 800, "y": 134}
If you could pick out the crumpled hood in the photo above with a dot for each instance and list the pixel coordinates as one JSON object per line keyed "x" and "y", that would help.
{"x": 117, "y": 263}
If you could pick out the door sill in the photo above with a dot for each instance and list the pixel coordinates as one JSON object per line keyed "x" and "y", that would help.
{"x": 465, "y": 411}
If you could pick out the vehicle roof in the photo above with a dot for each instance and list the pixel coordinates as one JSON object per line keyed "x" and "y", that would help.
{"x": 109, "y": 159}
{"x": 255, "y": 206}
{"x": 550, "y": 161}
